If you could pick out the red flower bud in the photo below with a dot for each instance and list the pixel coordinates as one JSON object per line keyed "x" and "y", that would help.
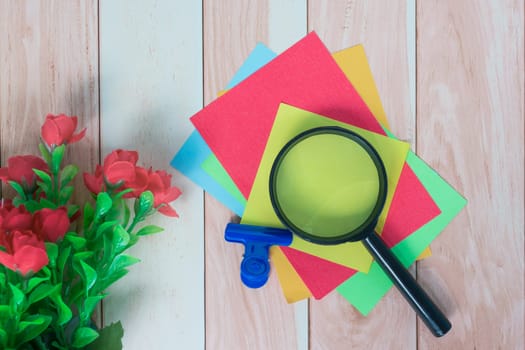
{"x": 60, "y": 129}
{"x": 119, "y": 170}
{"x": 51, "y": 225}
{"x": 24, "y": 252}
{"x": 12, "y": 218}
{"x": 20, "y": 170}
{"x": 94, "y": 182}
{"x": 160, "y": 185}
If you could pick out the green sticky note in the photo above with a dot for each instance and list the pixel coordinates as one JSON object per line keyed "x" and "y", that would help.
{"x": 364, "y": 291}
{"x": 211, "y": 165}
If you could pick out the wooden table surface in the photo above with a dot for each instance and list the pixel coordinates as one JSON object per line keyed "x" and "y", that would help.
{"x": 451, "y": 77}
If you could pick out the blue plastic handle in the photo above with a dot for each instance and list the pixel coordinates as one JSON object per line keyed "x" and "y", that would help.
{"x": 255, "y": 267}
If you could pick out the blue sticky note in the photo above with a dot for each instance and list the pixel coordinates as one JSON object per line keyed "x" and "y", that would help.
{"x": 195, "y": 151}
{"x": 188, "y": 161}
{"x": 257, "y": 58}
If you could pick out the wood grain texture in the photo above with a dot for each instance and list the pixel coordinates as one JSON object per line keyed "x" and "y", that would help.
{"x": 48, "y": 64}
{"x": 237, "y": 317}
{"x": 470, "y": 129}
{"x": 381, "y": 27}
{"x": 151, "y": 82}
{"x": 160, "y": 60}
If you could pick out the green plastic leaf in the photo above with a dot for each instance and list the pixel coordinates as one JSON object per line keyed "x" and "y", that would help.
{"x": 46, "y": 203}
{"x": 45, "y": 153}
{"x": 89, "y": 306}
{"x": 127, "y": 214}
{"x": 62, "y": 258}
{"x": 110, "y": 279}
{"x": 72, "y": 209}
{"x": 110, "y": 338}
{"x": 144, "y": 203}
{"x": 120, "y": 239}
{"x": 90, "y": 275}
{"x": 89, "y": 214}
{"x": 106, "y": 226}
{"x": 41, "y": 292}
{"x": 31, "y": 327}
{"x": 52, "y": 253}
{"x": 82, "y": 255}
{"x": 45, "y": 177}
{"x": 5, "y": 313}
{"x": 103, "y": 205}
{"x": 32, "y": 205}
{"x": 83, "y": 336}
{"x": 3, "y": 339}
{"x": 122, "y": 261}
{"x": 133, "y": 239}
{"x": 18, "y": 299}
{"x": 67, "y": 174}
{"x": 34, "y": 282}
{"x": 77, "y": 242}
{"x": 44, "y": 187}
{"x": 64, "y": 312}
{"x": 18, "y": 188}
{"x": 58, "y": 346}
{"x": 65, "y": 194}
{"x": 149, "y": 230}
{"x": 56, "y": 158}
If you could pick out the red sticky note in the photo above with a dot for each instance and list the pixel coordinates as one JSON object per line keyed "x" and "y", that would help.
{"x": 412, "y": 207}
{"x": 236, "y": 126}
{"x": 319, "y": 275}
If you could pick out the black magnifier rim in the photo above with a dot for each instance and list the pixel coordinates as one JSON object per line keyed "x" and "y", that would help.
{"x": 367, "y": 227}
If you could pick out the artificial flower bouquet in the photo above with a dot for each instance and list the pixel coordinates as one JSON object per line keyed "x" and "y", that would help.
{"x": 58, "y": 258}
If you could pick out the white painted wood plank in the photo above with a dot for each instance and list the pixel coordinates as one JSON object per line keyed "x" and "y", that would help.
{"x": 151, "y": 82}
{"x": 287, "y": 23}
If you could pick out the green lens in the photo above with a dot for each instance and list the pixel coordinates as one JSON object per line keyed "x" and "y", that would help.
{"x": 327, "y": 185}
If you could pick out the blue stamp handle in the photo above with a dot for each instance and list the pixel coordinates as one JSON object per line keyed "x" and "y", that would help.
{"x": 255, "y": 267}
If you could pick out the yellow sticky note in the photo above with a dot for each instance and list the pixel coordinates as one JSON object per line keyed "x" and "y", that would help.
{"x": 292, "y": 285}
{"x": 354, "y": 64}
{"x": 289, "y": 122}
{"x": 426, "y": 253}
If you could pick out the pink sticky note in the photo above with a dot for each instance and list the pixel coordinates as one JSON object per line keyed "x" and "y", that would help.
{"x": 411, "y": 208}
{"x": 236, "y": 126}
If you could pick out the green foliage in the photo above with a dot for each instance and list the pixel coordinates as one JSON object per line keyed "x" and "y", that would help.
{"x": 110, "y": 338}
{"x": 56, "y": 158}
{"x": 149, "y": 230}
{"x": 83, "y": 336}
{"x": 53, "y": 308}
{"x": 68, "y": 174}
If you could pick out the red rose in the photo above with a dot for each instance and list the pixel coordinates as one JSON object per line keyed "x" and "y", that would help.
{"x": 119, "y": 169}
{"x": 94, "y": 182}
{"x": 24, "y": 252}
{"x": 51, "y": 225}
{"x": 60, "y": 129}
{"x": 12, "y": 218}
{"x": 20, "y": 169}
{"x": 160, "y": 185}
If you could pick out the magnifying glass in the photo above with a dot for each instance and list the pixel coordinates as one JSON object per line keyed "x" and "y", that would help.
{"x": 331, "y": 197}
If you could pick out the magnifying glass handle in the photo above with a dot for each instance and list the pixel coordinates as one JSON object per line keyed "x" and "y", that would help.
{"x": 429, "y": 312}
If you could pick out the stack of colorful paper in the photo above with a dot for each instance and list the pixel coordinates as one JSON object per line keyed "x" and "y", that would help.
{"x": 270, "y": 100}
